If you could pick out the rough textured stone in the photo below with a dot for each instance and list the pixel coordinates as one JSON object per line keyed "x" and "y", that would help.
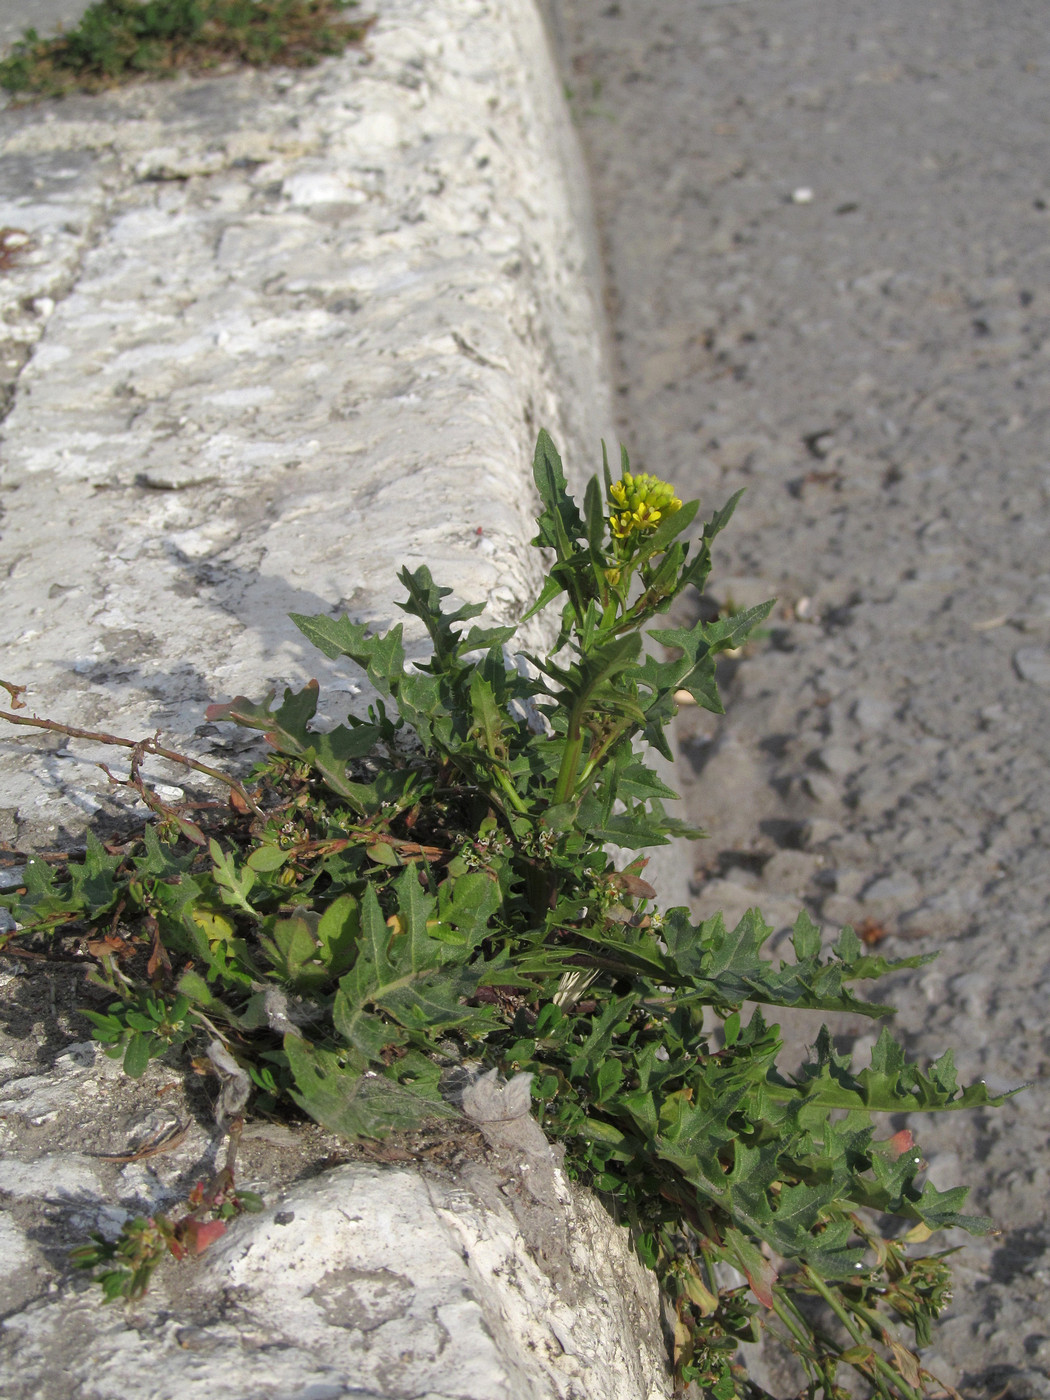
{"x": 301, "y": 330}
{"x": 366, "y": 1281}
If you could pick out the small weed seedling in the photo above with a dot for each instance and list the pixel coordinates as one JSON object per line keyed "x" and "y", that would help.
{"x": 430, "y": 885}
{"x": 124, "y": 1266}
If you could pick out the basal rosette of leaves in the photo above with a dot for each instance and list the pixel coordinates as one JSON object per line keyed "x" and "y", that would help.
{"x": 430, "y": 886}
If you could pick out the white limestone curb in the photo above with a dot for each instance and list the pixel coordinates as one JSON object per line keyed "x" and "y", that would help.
{"x": 285, "y": 333}
{"x": 379, "y": 1284}
{"x": 292, "y": 333}
{"x": 289, "y": 333}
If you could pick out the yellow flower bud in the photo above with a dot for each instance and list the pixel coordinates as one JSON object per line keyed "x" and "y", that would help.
{"x": 640, "y": 501}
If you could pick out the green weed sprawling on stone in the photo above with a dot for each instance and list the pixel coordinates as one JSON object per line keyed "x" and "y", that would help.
{"x": 118, "y": 40}
{"x": 430, "y": 888}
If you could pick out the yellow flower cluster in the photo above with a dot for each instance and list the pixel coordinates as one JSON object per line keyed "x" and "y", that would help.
{"x": 639, "y": 503}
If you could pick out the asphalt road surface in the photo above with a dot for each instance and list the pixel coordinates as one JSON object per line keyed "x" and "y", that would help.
{"x": 827, "y": 229}
{"x": 45, "y": 16}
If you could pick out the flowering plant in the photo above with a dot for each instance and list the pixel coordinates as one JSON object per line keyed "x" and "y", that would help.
{"x": 430, "y": 887}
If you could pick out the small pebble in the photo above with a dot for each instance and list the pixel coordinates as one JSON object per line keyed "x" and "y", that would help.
{"x": 819, "y": 788}
{"x": 803, "y": 195}
{"x": 836, "y": 759}
{"x": 1033, "y": 664}
{"x": 872, "y": 714}
{"x": 900, "y": 888}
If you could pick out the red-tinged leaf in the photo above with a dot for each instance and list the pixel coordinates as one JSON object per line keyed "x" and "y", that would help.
{"x": 762, "y": 1280}
{"x": 176, "y": 1248}
{"x": 750, "y": 1260}
{"x": 190, "y": 830}
{"x": 197, "y": 1235}
{"x": 900, "y": 1143}
{"x": 237, "y": 802}
{"x": 158, "y": 956}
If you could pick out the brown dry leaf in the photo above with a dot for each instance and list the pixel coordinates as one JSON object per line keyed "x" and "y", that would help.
{"x": 159, "y": 954}
{"x": 632, "y": 885}
{"x": 109, "y": 944}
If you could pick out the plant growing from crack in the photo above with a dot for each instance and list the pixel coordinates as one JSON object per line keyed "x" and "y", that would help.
{"x": 431, "y": 886}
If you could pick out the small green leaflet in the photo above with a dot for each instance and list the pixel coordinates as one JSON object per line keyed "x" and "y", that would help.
{"x": 234, "y": 885}
{"x": 560, "y": 521}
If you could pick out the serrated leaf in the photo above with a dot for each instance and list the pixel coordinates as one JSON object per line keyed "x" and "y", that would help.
{"x": 805, "y": 938}
{"x": 382, "y": 657}
{"x": 484, "y": 639}
{"x": 726, "y": 966}
{"x": 285, "y": 727}
{"x": 332, "y": 753}
{"x": 352, "y": 1101}
{"x": 559, "y": 522}
{"x": 847, "y": 946}
{"x": 406, "y": 973}
{"x": 468, "y": 904}
{"x": 638, "y": 781}
{"x": 488, "y": 720}
{"x": 751, "y": 1262}
{"x": 424, "y": 602}
{"x": 233, "y": 884}
{"x": 891, "y": 1084}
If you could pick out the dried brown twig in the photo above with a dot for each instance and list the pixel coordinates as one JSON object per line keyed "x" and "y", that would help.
{"x": 166, "y": 1140}
{"x": 140, "y": 747}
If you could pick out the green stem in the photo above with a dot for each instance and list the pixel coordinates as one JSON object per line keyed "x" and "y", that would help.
{"x": 570, "y": 759}
{"x": 510, "y": 792}
{"x": 894, "y": 1377}
{"x": 596, "y": 758}
{"x": 808, "y": 1340}
{"x": 791, "y": 1323}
